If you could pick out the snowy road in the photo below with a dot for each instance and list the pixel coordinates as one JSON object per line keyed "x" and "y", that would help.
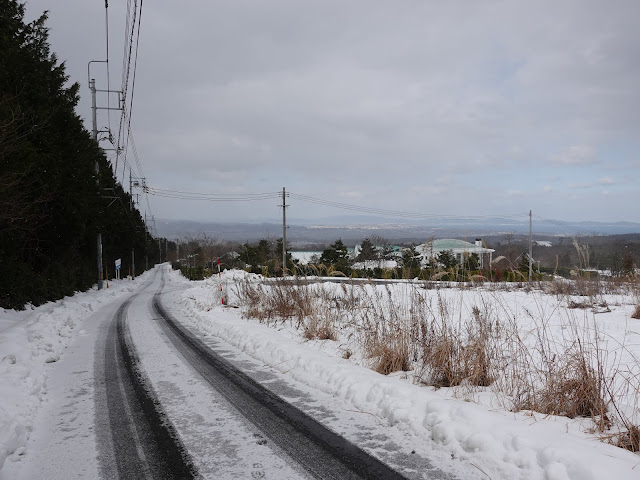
{"x": 68, "y": 407}
{"x": 137, "y": 395}
{"x": 142, "y": 443}
{"x": 317, "y": 449}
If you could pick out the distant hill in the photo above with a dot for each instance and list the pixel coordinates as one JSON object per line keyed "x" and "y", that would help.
{"x": 354, "y": 229}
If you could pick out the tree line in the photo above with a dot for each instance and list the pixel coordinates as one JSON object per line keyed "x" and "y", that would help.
{"x": 197, "y": 257}
{"x": 374, "y": 257}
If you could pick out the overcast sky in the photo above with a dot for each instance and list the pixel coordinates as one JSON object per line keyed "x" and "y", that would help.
{"x": 460, "y": 108}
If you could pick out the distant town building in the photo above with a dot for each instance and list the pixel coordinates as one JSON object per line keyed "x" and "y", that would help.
{"x": 460, "y": 249}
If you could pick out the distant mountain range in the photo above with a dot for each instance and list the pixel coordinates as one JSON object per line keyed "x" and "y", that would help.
{"x": 353, "y": 229}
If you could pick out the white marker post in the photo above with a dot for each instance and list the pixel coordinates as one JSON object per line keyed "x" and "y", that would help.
{"x": 118, "y": 265}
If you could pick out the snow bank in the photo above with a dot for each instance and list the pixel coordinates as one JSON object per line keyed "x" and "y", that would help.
{"x": 29, "y": 341}
{"x": 503, "y": 444}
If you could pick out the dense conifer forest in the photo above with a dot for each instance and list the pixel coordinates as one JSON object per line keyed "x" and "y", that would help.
{"x": 53, "y": 202}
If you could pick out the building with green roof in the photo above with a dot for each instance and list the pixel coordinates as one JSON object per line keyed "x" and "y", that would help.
{"x": 460, "y": 249}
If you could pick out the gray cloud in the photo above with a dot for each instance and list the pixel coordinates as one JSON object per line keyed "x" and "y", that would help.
{"x": 576, "y": 155}
{"x": 376, "y": 102}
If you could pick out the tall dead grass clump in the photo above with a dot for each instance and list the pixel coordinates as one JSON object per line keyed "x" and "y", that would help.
{"x": 278, "y": 300}
{"x": 321, "y": 329}
{"x": 460, "y": 352}
{"x": 324, "y": 316}
{"x": 636, "y": 313}
{"x": 250, "y": 296}
{"x": 308, "y": 307}
{"x": 385, "y": 332}
{"x": 573, "y": 389}
{"x": 556, "y": 369}
{"x": 629, "y": 439}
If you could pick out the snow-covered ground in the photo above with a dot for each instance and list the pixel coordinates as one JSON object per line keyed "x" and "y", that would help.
{"x": 374, "y": 264}
{"x": 463, "y": 432}
{"x": 32, "y": 341}
{"x": 469, "y": 427}
{"x": 305, "y": 257}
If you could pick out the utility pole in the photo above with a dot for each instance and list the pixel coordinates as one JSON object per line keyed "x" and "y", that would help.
{"x": 530, "y": 246}
{"x": 94, "y": 129}
{"x": 284, "y": 233}
{"x": 94, "y": 134}
{"x": 133, "y": 264}
{"x": 146, "y": 244}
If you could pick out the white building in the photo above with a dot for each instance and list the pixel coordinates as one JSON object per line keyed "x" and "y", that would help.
{"x": 461, "y": 249}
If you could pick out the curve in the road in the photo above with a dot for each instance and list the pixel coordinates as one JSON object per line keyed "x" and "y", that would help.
{"x": 320, "y": 451}
{"x": 144, "y": 444}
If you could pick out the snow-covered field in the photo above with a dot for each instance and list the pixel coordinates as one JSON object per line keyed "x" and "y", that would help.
{"x": 464, "y": 430}
{"x": 470, "y": 425}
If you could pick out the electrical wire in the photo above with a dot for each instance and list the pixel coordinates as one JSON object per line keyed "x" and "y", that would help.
{"x": 393, "y": 213}
{"x": 247, "y": 197}
{"x": 139, "y": 172}
{"x": 133, "y": 81}
{"x": 211, "y": 197}
{"x": 577, "y": 228}
{"x": 130, "y": 30}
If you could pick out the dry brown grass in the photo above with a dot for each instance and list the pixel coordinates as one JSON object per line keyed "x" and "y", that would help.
{"x": 390, "y": 357}
{"x": 574, "y": 390}
{"x": 287, "y": 301}
{"x": 558, "y": 371}
{"x": 383, "y": 331}
{"x": 319, "y": 329}
{"x": 636, "y": 313}
{"x": 456, "y": 353}
{"x": 574, "y": 304}
{"x": 629, "y": 439}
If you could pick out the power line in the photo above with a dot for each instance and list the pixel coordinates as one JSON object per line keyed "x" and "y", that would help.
{"x": 394, "y": 213}
{"x": 247, "y": 197}
{"x": 134, "y": 150}
{"x": 211, "y": 197}
{"x": 133, "y": 81}
{"x": 130, "y": 31}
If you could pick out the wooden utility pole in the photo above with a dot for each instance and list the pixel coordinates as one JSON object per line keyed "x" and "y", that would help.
{"x": 530, "y": 246}
{"x": 284, "y": 233}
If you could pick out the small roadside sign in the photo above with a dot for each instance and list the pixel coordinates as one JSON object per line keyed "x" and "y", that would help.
{"x": 118, "y": 265}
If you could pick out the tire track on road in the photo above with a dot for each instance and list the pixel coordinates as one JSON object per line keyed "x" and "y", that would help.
{"x": 143, "y": 441}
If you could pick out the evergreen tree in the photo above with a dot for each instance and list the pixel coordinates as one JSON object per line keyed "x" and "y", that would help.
{"x": 411, "y": 262}
{"x": 472, "y": 262}
{"x": 51, "y": 205}
{"x": 337, "y": 255}
{"x": 367, "y": 251}
{"x": 447, "y": 259}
